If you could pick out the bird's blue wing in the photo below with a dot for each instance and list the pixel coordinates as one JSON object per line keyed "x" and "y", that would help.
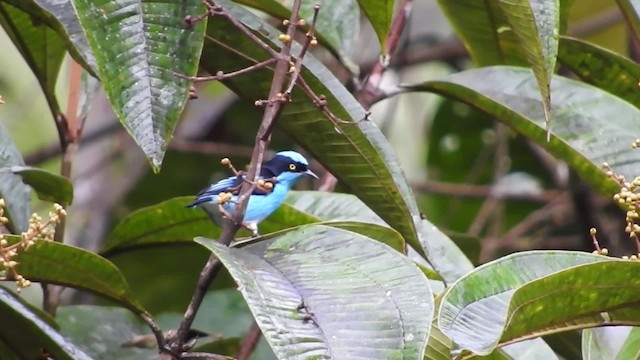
{"x": 211, "y": 193}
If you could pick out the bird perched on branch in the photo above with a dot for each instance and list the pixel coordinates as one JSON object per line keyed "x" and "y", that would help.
{"x": 277, "y": 177}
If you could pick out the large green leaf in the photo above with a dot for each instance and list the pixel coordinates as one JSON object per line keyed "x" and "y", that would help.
{"x": 61, "y": 17}
{"x": 601, "y": 67}
{"x": 170, "y": 222}
{"x": 590, "y": 126}
{"x": 338, "y": 23}
{"x": 138, "y": 46}
{"x": 380, "y": 15}
{"x": 536, "y": 23}
{"x": 340, "y": 277}
{"x": 48, "y": 186}
{"x": 357, "y": 154}
{"x": 617, "y": 343}
{"x": 528, "y": 294}
{"x": 40, "y": 46}
{"x": 24, "y": 335}
{"x": 484, "y": 30}
{"x": 15, "y": 194}
{"x": 57, "y": 263}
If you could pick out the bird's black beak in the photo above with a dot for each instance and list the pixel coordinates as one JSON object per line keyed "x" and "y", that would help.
{"x": 311, "y": 173}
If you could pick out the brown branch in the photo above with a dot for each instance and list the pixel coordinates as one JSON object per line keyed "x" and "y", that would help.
{"x": 69, "y": 131}
{"x": 249, "y": 342}
{"x": 273, "y": 108}
{"x": 532, "y": 221}
{"x": 480, "y": 191}
{"x": 368, "y": 92}
{"x": 370, "y": 88}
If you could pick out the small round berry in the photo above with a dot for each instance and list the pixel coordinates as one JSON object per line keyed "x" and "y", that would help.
{"x": 225, "y": 161}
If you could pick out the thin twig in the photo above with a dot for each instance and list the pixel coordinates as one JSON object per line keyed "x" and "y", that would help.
{"x": 249, "y": 342}
{"x": 533, "y": 220}
{"x": 272, "y": 111}
{"x": 220, "y": 76}
{"x": 490, "y": 206}
{"x": 219, "y": 10}
{"x": 297, "y": 67}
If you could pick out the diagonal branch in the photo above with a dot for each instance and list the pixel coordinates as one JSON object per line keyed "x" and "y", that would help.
{"x": 273, "y": 107}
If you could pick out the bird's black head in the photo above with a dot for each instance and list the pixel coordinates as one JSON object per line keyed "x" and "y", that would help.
{"x": 286, "y": 162}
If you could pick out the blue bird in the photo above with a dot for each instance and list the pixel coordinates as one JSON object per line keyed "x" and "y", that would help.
{"x": 287, "y": 167}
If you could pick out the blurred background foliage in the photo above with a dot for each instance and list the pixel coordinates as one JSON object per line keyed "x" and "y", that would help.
{"x": 471, "y": 176}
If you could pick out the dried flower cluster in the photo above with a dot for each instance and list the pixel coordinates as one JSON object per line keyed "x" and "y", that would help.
{"x": 38, "y": 230}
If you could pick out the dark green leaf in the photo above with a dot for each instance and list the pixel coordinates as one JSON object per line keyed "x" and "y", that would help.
{"x": 602, "y": 68}
{"x": 567, "y": 344}
{"x": 338, "y": 22}
{"x": 61, "y": 17}
{"x": 101, "y": 331}
{"x": 40, "y": 46}
{"x": 358, "y": 154}
{"x": 527, "y": 294}
{"x": 171, "y": 222}
{"x": 619, "y": 343}
{"x": 57, "y": 263}
{"x": 26, "y": 336}
{"x": 590, "y": 126}
{"x": 48, "y": 186}
{"x": 138, "y": 46}
{"x": 162, "y": 278}
{"x": 380, "y": 15}
{"x": 15, "y": 194}
{"x": 167, "y": 222}
{"x": 483, "y": 28}
{"x": 340, "y": 276}
{"x": 536, "y": 24}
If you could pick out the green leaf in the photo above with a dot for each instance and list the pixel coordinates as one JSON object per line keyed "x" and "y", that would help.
{"x": 538, "y": 292}
{"x": 40, "y": 46}
{"x": 340, "y": 276}
{"x": 166, "y": 222}
{"x": 61, "y": 17}
{"x": 138, "y": 46}
{"x": 567, "y": 344}
{"x": 338, "y": 23}
{"x": 25, "y": 335}
{"x": 56, "y": 263}
{"x": 484, "y": 30}
{"x": 117, "y": 326}
{"x": 439, "y": 345}
{"x": 48, "y": 186}
{"x": 536, "y": 23}
{"x": 602, "y": 68}
{"x": 16, "y": 195}
{"x": 619, "y": 343}
{"x": 590, "y": 126}
{"x": 170, "y": 222}
{"x": 380, "y": 15}
{"x": 358, "y": 154}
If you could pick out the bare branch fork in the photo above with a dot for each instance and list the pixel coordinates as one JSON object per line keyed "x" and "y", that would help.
{"x": 173, "y": 347}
